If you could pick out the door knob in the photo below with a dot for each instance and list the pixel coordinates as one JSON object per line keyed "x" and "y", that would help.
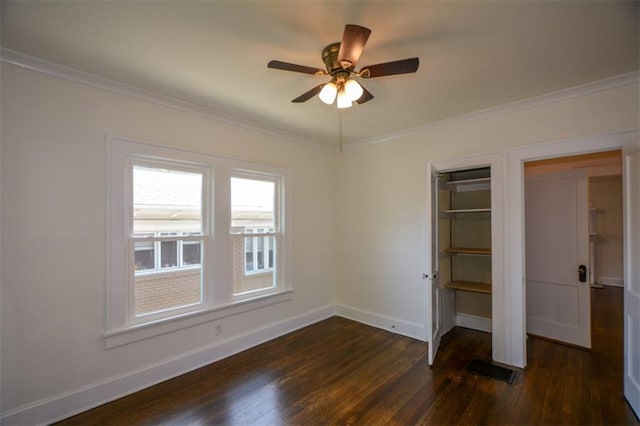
{"x": 582, "y": 273}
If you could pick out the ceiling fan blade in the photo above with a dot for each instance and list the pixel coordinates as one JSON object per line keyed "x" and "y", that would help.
{"x": 403, "y": 66}
{"x": 310, "y": 94}
{"x": 353, "y": 40}
{"x": 286, "y": 66}
{"x": 366, "y": 96}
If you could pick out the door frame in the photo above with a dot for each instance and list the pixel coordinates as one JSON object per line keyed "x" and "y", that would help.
{"x": 514, "y": 256}
{"x": 496, "y": 162}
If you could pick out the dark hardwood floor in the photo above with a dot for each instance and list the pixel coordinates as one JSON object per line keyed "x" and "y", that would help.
{"x": 342, "y": 372}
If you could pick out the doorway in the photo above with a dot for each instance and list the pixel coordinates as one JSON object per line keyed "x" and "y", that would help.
{"x": 566, "y": 233}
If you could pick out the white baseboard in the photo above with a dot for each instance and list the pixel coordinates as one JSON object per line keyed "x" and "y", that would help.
{"x": 473, "y": 322}
{"x": 394, "y": 325}
{"x": 612, "y": 281}
{"x": 70, "y": 403}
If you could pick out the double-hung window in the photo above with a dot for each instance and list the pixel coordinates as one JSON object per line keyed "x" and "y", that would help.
{"x": 255, "y": 231}
{"x": 167, "y": 216}
{"x": 190, "y": 234}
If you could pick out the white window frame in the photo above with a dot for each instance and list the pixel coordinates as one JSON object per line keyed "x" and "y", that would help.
{"x": 277, "y": 232}
{"x": 218, "y": 301}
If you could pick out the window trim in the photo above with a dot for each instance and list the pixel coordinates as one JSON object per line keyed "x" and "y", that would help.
{"x": 278, "y": 233}
{"x": 219, "y": 301}
{"x": 174, "y": 164}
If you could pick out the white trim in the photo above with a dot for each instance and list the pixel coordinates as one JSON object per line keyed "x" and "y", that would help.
{"x": 473, "y": 322}
{"x": 39, "y": 65}
{"x": 52, "y": 69}
{"x": 115, "y": 338}
{"x": 384, "y": 322}
{"x": 611, "y": 281}
{"x": 66, "y": 404}
{"x": 515, "y": 300}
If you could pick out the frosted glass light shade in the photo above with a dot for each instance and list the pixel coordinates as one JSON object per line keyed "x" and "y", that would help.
{"x": 343, "y": 100}
{"x": 353, "y": 90}
{"x": 328, "y": 93}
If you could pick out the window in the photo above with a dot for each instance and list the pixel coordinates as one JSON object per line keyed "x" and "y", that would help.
{"x": 254, "y": 232}
{"x": 258, "y": 251}
{"x": 167, "y": 262}
{"x": 184, "y": 254}
{"x": 166, "y": 215}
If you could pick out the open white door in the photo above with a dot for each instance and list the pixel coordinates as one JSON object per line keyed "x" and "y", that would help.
{"x": 557, "y": 256}
{"x": 433, "y": 290}
{"x": 632, "y": 280}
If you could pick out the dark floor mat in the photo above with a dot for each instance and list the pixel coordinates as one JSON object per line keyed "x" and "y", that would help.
{"x": 494, "y": 371}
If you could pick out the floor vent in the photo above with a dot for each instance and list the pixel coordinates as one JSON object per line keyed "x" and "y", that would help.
{"x": 494, "y": 371}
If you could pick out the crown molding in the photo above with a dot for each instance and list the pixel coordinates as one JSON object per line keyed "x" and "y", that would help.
{"x": 35, "y": 64}
{"x": 56, "y": 70}
{"x": 537, "y": 101}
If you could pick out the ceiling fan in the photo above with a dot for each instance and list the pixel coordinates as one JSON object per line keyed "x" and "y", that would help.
{"x": 340, "y": 60}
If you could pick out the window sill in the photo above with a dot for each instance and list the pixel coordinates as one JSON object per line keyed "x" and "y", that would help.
{"x": 265, "y": 273}
{"x": 115, "y": 338}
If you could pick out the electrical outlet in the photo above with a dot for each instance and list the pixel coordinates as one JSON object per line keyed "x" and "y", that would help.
{"x": 218, "y": 329}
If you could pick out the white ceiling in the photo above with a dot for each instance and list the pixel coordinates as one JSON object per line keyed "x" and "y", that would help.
{"x": 473, "y": 55}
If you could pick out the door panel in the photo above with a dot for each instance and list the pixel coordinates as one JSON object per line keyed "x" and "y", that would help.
{"x": 433, "y": 291}
{"x": 632, "y": 281}
{"x": 556, "y": 235}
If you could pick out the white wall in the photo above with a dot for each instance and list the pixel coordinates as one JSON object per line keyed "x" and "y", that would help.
{"x": 53, "y": 242}
{"x": 381, "y": 219}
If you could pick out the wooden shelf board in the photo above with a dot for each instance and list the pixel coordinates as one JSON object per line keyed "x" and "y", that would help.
{"x": 469, "y": 286}
{"x": 468, "y": 181}
{"x": 479, "y": 184}
{"x": 468, "y": 210}
{"x": 468, "y": 250}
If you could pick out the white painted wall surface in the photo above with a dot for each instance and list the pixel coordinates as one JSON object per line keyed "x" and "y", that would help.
{"x": 381, "y": 221}
{"x": 54, "y": 229}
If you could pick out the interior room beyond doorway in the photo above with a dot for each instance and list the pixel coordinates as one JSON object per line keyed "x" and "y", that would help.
{"x": 603, "y": 237}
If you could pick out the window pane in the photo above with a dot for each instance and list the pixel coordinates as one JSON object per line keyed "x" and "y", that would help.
{"x": 252, "y": 204}
{"x": 247, "y": 274}
{"x": 168, "y": 254}
{"x": 166, "y": 200}
{"x": 167, "y": 203}
{"x": 144, "y": 256}
{"x": 191, "y": 253}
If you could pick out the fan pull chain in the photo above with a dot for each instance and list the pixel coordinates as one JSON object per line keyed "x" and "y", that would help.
{"x": 340, "y": 127}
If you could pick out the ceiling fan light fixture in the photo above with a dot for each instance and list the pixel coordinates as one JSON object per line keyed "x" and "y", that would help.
{"x": 328, "y": 93}
{"x": 343, "y": 100}
{"x": 353, "y": 90}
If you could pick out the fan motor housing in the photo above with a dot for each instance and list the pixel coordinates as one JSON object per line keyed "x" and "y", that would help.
{"x": 330, "y": 58}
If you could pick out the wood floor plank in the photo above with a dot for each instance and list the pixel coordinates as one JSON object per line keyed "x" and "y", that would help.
{"x": 341, "y": 372}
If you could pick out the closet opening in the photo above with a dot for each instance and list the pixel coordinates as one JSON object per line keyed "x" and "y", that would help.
{"x": 465, "y": 241}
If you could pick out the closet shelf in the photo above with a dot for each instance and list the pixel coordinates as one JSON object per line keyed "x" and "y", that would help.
{"x": 468, "y": 210}
{"x": 479, "y": 184}
{"x": 468, "y": 250}
{"x": 469, "y": 286}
